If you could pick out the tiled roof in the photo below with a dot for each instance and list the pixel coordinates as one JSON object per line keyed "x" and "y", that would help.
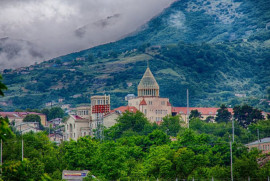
{"x": 169, "y": 104}
{"x": 264, "y": 140}
{"x": 202, "y": 110}
{"x": 17, "y": 114}
{"x": 77, "y": 117}
{"x": 142, "y": 103}
{"x": 126, "y": 108}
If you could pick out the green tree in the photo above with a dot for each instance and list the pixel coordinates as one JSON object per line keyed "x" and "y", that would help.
{"x": 56, "y": 112}
{"x": 80, "y": 154}
{"x": 223, "y": 114}
{"x": 159, "y": 162}
{"x": 32, "y": 118}
{"x": 246, "y": 115}
{"x": 171, "y": 125}
{"x": 195, "y": 114}
{"x": 132, "y": 121}
{"x": 2, "y": 86}
{"x": 110, "y": 161}
{"x": 5, "y": 131}
{"x": 187, "y": 161}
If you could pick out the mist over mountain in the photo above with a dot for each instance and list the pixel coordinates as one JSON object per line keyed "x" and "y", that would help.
{"x": 59, "y": 27}
{"x": 219, "y": 50}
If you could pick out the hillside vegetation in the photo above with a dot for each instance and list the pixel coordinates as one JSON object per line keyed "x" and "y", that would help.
{"x": 216, "y": 49}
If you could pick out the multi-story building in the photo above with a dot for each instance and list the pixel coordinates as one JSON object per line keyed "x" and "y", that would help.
{"x": 148, "y": 100}
{"x": 262, "y": 144}
{"x": 184, "y": 112}
{"x": 76, "y": 127}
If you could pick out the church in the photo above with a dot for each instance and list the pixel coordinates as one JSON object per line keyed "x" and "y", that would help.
{"x": 148, "y": 101}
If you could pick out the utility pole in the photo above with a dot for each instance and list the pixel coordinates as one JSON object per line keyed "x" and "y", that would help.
{"x": 1, "y": 155}
{"x": 231, "y": 159}
{"x": 233, "y": 130}
{"x": 187, "y": 110}
{"x": 22, "y": 149}
{"x": 258, "y": 132}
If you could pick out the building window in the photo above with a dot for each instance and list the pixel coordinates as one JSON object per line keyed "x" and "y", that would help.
{"x": 67, "y": 127}
{"x": 162, "y": 102}
{"x": 74, "y": 135}
{"x": 150, "y": 102}
{"x": 84, "y": 133}
{"x": 145, "y": 111}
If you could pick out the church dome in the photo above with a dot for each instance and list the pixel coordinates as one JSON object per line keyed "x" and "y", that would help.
{"x": 148, "y": 85}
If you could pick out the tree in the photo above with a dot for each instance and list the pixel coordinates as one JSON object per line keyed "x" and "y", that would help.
{"x": 32, "y": 118}
{"x": 195, "y": 114}
{"x": 223, "y": 114}
{"x": 133, "y": 121}
{"x": 5, "y": 131}
{"x": 187, "y": 161}
{"x": 2, "y": 86}
{"x": 159, "y": 162}
{"x": 171, "y": 125}
{"x": 246, "y": 115}
{"x": 56, "y": 112}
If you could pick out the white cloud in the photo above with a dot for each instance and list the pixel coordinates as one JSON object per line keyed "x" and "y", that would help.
{"x": 51, "y": 24}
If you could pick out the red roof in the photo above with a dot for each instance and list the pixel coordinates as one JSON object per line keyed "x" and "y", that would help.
{"x": 142, "y": 103}
{"x": 19, "y": 114}
{"x": 202, "y": 110}
{"x": 126, "y": 108}
{"x": 77, "y": 117}
{"x": 169, "y": 104}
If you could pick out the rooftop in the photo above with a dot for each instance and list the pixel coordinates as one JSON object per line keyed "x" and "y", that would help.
{"x": 148, "y": 81}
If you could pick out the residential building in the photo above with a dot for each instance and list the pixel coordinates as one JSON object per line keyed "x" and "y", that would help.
{"x": 148, "y": 101}
{"x": 17, "y": 117}
{"x": 109, "y": 119}
{"x": 56, "y": 137}
{"x": 84, "y": 111}
{"x": 100, "y": 106}
{"x": 76, "y": 127}
{"x": 205, "y": 111}
{"x": 54, "y": 122}
{"x": 262, "y": 144}
{"x": 26, "y": 127}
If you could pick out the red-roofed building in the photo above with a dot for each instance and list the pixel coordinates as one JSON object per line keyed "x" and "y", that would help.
{"x": 205, "y": 111}
{"x": 126, "y": 108}
{"x": 76, "y": 127}
{"x": 17, "y": 117}
{"x": 143, "y": 103}
{"x": 149, "y": 101}
{"x": 109, "y": 119}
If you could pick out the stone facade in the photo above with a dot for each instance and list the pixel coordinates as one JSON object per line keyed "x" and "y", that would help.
{"x": 148, "y": 100}
{"x": 76, "y": 127}
{"x": 205, "y": 112}
{"x": 262, "y": 144}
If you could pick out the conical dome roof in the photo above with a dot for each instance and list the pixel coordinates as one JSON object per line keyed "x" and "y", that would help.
{"x": 148, "y": 81}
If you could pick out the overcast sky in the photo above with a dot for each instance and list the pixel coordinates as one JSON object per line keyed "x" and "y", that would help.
{"x": 58, "y": 27}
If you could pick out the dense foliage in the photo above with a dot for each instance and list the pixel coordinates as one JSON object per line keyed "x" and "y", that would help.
{"x": 135, "y": 149}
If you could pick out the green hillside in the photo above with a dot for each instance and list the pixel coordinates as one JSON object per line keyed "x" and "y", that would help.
{"x": 215, "y": 49}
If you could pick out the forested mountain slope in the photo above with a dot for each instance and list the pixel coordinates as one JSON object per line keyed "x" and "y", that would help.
{"x": 216, "y": 49}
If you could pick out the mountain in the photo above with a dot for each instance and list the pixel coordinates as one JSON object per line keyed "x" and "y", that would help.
{"x": 219, "y": 50}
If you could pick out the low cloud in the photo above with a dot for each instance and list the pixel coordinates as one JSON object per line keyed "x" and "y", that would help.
{"x": 56, "y": 27}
